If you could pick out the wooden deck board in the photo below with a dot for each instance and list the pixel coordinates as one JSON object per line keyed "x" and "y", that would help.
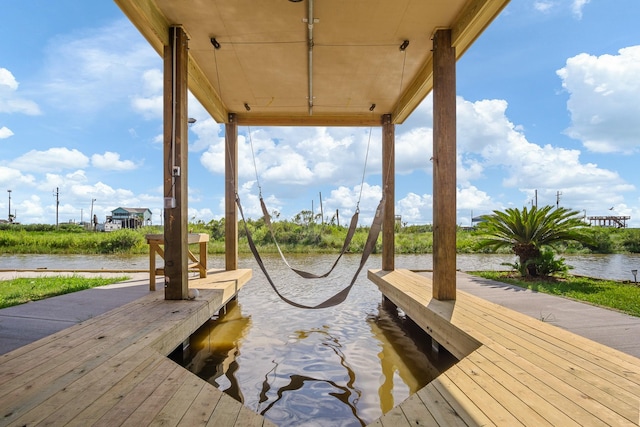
{"x": 445, "y": 393}
{"x": 395, "y": 418}
{"x": 142, "y": 391}
{"x": 581, "y": 373}
{"x": 123, "y": 332}
{"x": 523, "y": 371}
{"x": 559, "y": 341}
{"x": 63, "y": 408}
{"x": 552, "y": 390}
{"x": 482, "y": 396}
{"x": 416, "y": 412}
{"x": 176, "y": 408}
{"x": 226, "y": 412}
{"x": 201, "y": 408}
{"x": 439, "y": 409}
{"x": 113, "y": 370}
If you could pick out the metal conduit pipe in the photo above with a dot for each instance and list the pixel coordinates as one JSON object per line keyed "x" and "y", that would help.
{"x": 310, "y": 23}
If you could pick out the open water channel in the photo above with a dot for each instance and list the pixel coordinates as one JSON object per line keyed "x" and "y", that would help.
{"x": 341, "y": 366}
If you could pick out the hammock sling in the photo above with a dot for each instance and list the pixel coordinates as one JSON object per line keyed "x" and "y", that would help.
{"x": 369, "y": 246}
{"x": 305, "y": 274}
{"x": 267, "y": 219}
{"x": 339, "y": 297}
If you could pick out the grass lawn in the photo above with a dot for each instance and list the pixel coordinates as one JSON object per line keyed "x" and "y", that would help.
{"x": 22, "y": 290}
{"x": 624, "y": 297}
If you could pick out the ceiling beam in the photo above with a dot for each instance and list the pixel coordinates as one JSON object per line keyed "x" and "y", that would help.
{"x": 465, "y": 29}
{"x": 249, "y": 119}
{"x": 154, "y": 26}
{"x": 471, "y": 22}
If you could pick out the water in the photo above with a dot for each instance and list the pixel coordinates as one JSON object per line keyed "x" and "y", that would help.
{"x": 610, "y": 266}
{"x": 342, "y": 366}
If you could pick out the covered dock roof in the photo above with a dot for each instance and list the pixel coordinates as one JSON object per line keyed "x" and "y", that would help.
{"x": 329, "y": 62}
{"x": 310, "y": 63}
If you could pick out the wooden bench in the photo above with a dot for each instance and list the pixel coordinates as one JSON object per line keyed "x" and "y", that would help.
{"x": 156, "y": 243}
{"x": 112, "y": 369}
{"x": 513, "y": 369}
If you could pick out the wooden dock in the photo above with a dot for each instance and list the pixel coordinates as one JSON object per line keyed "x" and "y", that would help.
{"x": 513, "y": 369}
{"x": 113, "y": 369}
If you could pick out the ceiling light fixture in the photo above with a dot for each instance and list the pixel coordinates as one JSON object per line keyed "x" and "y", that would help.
{"x": 404, "y": 45}
{"x": 215, "y": 43}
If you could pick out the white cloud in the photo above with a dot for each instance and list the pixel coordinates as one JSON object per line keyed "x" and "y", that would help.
{"x": 111, "y": 161}
{"x": 53, "y": 159}
{"x": 206, "y": 130}
{"x": 204, "y": 215}
{"x": 149, "y": 103}
{"x": 471, "y": 198}
{"x": 7, "y": 80}
{"x": 414, "y": 149}
{"x": 9, "y": 101}
{"x": 99, "y": 191}
{"x": 109, "y": 65}
{"x": 578, "y": 6}
{"x": 250, "y": 202}
{"x": 10, "y": 177}
{"x": 75, "y": 194}
{"x": 290, "y": 169}
{"x": 285, "y": 159}
{"x": 346, "y": 199}
{"x": 32, "y": 209}
{"x": 150, "y": 108}
{"x": 5, "y": 132}
{"x": 543, "y": 6}
{"x": 488, "y": 141}
{"x": 603, "y": 100}
{"x": 415, "y": 208}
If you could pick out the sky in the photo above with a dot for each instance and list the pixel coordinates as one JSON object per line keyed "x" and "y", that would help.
{"x": 548, "y": 111}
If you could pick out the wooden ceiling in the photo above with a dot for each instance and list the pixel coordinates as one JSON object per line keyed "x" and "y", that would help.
{"x": 265, "y": 71}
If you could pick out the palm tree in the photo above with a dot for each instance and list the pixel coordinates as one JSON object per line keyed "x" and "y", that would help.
{"x": 526, "y": 232}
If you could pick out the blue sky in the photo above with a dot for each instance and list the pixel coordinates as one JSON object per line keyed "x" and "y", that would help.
{"x": 548, "y": 100}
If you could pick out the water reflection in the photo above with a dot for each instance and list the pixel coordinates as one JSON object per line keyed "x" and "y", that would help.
{"x": 344, "y": 366}
{"x": 409, "y": 357}
{"x": 330, "y": 392}
{"x": 214, "y": 349}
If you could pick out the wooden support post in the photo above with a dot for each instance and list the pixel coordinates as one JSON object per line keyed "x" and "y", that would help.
{"x": 388, "y": 187}
{"x": 231, "y": 189}
{"x": 444, "y": 166}
{"x": 175, "y": 165}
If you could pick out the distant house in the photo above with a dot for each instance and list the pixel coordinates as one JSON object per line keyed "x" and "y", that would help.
{"x": 130, "y": 217}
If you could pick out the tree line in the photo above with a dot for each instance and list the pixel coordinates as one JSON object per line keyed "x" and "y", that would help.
{"x": 304, "y": 234}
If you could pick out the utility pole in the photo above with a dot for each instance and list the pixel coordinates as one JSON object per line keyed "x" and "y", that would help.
{"x": 321, "y": 209}
{"x": 558, "y": 194}
{"x": 93, "y": 223}
{"x": 57, "y": 194}
{"x": 9, "y": 217}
